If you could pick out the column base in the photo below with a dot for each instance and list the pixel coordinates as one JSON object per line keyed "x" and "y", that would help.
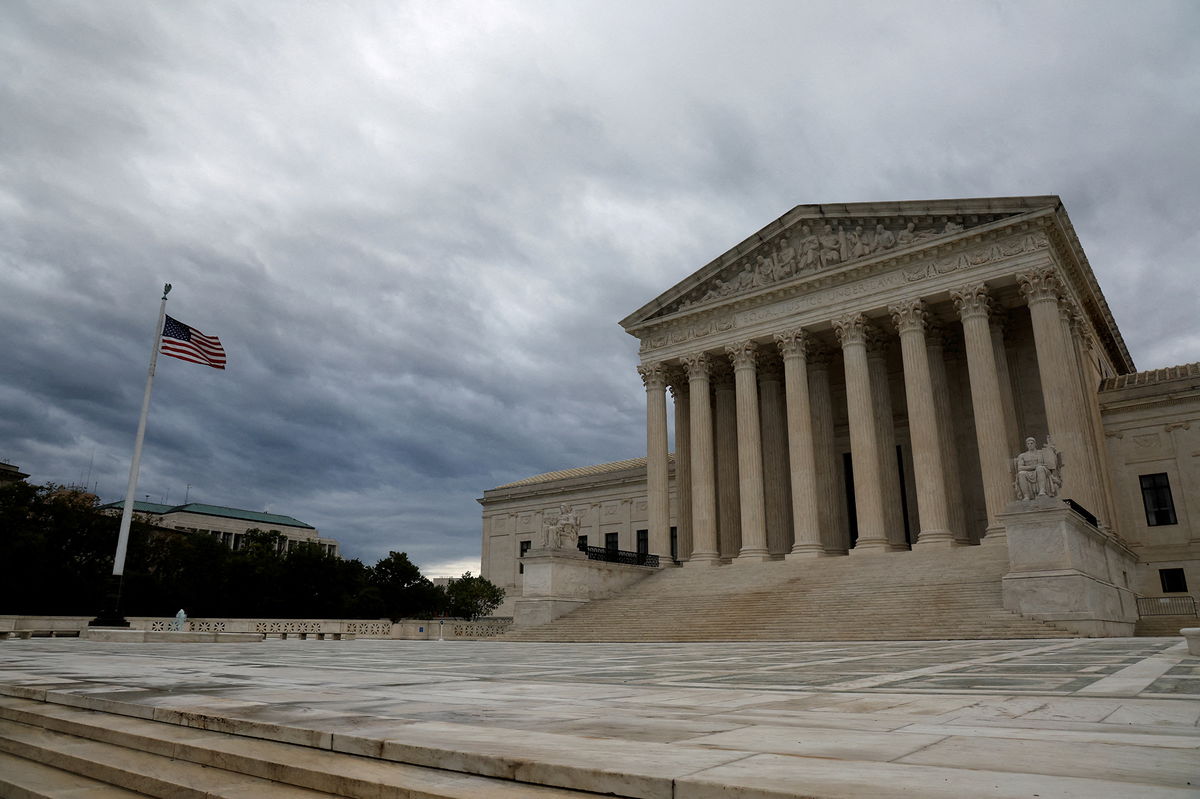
{"x": 934, "y": 538}
{"x": 753, "y": 556}
{"x": 803, "y": 551}
{"x": 702, "y": 561}
{"x": 866, "y": 547}
{"x": 994, "y": 536}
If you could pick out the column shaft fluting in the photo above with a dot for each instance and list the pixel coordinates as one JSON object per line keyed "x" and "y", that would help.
{"x": 806, "y": 517}
{"x": 974, "y": 305}
{"x": 749, "y": 440}
{"x": 654, "y": 375}
{"x": 729, "y": 521}
{"x": 683, "y": 466}
{"x": 929, "y": 476}
{"x": 864, "y": 445}
{"x": 704, "y": 489}
{"x": 885, "y": 434}
{"x": 948, "y": 434}
{"x": 1060, "y": 386}
{"x": 831, "y": 503}
{"x": 776, "y": 474}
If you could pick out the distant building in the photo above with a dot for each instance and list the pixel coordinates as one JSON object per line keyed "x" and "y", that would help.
{"x": 10, "y": 473}
{"x": 229, "y": 525}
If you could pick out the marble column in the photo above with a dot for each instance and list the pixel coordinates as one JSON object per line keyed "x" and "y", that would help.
{"x": 933, "y": 507}
{"x": 1089, "y": 386}
{"x": 802, "y": 455}
{"x": 704, "y": 489}
{"x": 776, "y": 482}
{"x": 974, "y": 305}
{"x": 744, "y": 356}
{"x": 1057, "y": 368}
{"x": 935, "y": 346}
{"x": 852, "y": 330}
{"x": 725, "y": 435}
{"x": 885, "y": 434}
{"x": 828, "y": 464}
{"x": 1012, "y": 436}
{"x": 683, "y": 464}
{"x": 654, "y": 376}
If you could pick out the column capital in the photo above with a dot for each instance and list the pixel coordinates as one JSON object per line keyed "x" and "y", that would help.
{"x": 743, "y": 355}
{"x": 677, "y": 382}
{"x": 1042, "y": 285}
{"x": 654, "y": 375}
{"x": 793, "y": 343}
{"x": 910, "y": 315}
{"x": 697, "y": 366}
{"x": 851, "y": 328}
{"x": 877, "y": 343}
{"x": 972, "y": 300}
{"x": 770, "y": 368}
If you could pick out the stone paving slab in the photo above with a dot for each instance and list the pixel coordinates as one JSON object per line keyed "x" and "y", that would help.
{"x": 1077, "y": 717}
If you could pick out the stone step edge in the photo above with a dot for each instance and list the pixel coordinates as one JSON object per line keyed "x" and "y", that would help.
{"x": 21, "y": 778}
{"x": 660, "y": 764}
{"x": 133, "y": 769}
{"x": 325, "y": 773}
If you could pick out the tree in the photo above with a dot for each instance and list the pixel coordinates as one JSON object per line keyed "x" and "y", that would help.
{"x": 402, "y": 590}
{"x": 472, "y": 597}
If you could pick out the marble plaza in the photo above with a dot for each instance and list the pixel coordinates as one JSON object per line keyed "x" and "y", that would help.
{"x": 1049, "y": 718}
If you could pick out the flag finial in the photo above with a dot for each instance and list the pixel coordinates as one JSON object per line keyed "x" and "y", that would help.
{"x": 166, "y": 290}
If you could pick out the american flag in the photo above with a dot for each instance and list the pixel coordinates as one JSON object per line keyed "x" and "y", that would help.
{"x": 189, "y": 344}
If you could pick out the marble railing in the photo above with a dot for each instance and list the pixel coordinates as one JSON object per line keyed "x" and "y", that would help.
{"x": 405, "y": 629}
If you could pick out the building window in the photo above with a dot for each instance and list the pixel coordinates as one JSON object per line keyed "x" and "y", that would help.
{"x": 610, "y": 542}
{"x": 1156, "y": 497}
{"x": 581, "y": 542}
{"x": 524, "y": 548}
{"x": 643, "y": 542}
{"x": 1173, "y": 581}
{"x": 674, "y": 543}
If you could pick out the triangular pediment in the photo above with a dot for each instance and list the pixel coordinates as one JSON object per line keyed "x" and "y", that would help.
{"x": 813, "y": 240}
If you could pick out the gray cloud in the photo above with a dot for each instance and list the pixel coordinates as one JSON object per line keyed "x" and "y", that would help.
{"x": 414, "y": 227}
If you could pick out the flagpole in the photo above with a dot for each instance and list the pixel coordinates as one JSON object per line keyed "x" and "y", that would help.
{"x": 113, "y": 617}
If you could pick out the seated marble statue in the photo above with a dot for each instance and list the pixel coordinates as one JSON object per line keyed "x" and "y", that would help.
{"x": 1039, "y": 471}
{"x": 564, "y": 533}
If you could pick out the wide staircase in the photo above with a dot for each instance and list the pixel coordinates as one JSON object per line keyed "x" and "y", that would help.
{"x": 917, "y": 595}
{"x": 51, "y": 751}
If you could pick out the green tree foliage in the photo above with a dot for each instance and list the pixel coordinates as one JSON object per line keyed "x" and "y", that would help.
{"x": 472, "y": 597}
{"x": 404, "y": 593}
{"x": 59, "y": 549}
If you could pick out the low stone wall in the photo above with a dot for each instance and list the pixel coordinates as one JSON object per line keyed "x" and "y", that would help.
{"x": 558, "y": 581}
{"x": 406, "y": 629}
{"x": 1067, "y": 572}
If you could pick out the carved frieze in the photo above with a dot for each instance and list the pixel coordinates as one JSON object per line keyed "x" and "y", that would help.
{"x": 689, "y": 329}
{"x": 814, "y": 249}
{"x": 980, "y": 256}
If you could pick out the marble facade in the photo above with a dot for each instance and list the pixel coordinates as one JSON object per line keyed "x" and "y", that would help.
{"x": 861, "y": 378}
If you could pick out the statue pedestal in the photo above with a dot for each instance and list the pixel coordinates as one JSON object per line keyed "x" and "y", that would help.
{"x": 1065, "y": 571}
{"x": 557, "y": 581}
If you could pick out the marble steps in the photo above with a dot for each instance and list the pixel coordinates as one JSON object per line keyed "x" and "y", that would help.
{"x": 27, "y": 779}
{"x": 65, "y": 749}
{"x": 1160, "y": 626}
{"x": 917, "y": 595}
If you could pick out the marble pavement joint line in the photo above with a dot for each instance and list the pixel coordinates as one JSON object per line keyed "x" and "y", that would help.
{"x": 872, "y": 682}
{"x": 1137, "y": 677}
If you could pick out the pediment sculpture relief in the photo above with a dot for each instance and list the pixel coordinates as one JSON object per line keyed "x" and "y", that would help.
{"x": 813, "y": 247}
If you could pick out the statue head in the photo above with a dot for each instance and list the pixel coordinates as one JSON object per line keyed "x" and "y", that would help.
{"x": 1030, "y": 444}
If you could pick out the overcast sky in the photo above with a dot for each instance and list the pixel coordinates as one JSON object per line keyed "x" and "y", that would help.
{"x": 414, "y": 226}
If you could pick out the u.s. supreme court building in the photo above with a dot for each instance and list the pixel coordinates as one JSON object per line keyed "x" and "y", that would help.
{"x": 862, "y": 378}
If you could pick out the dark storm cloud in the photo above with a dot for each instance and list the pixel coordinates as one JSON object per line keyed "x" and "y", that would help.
{"x": 414, "y": 226}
